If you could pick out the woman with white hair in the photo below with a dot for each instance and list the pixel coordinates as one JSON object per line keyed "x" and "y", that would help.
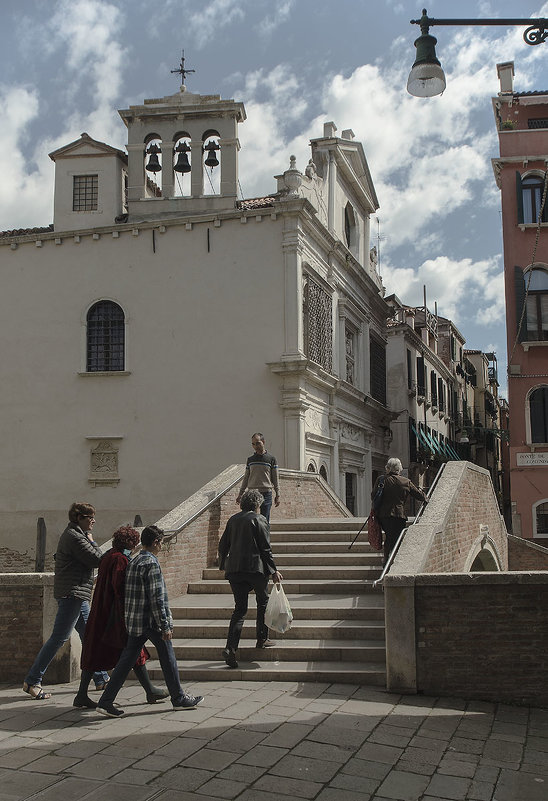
{"x": 391, "y": 511}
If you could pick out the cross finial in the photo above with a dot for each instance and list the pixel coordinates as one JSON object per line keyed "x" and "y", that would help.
{"x": 182, "y": 71}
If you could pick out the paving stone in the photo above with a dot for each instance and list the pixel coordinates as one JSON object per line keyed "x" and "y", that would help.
{"x": 386, "y": 738}
{"x": 181, "y": 747}
{"x": 537, "y": 743}
{"x": 512, "y": 786}
{"x": 503, "y": 752}
{"x": 481, "y": 791}
{"x": 291, "y": 786}
{"x": 414, "y": 766}
{"x": 263, "y": 756}
{"x": 22, "y": 756}
{"x": 344, "y": 781}
{"x": 69, "y": 789}
{"x": 456, "y": 767}
{"x": 19, "y": 785}
{"x": 338, "y": 794}
{"x": 135, "y": 776}
{"x": 237, "y": 740}
{"x": 51, "y": 764}
{"x": 305, "y": 768}
{"x": 210, "y": 759}
{"x": 189, "y": 778}
{"x": 450, "y": 787}
{"x": 80, "y": 749}
{"x": 179, "y": 795}
{"x": 123, "y": 792}
{"x": 288, "y": 735}
{"x": 379, "y": 753}
{"x": 308, "y": 748}
{"x": 403, "y": 786}
{"x": 424, "y": 755}
{"x": 487, "y": 774}
{"x": 221, "y": 788}
{"x": 365, "y": 769}
{"x": 467, "y": 745}
{"x": 242, "y": 773}
{"x": 100, "y": 766}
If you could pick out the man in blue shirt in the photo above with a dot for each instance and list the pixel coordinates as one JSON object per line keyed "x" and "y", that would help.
{"x": 148, "y": 617}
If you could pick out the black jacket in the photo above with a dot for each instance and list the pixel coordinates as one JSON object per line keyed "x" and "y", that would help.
{"x": 245, "y": 545}
{"x": 74, "y": 562}
{"x": 396, "y": 491}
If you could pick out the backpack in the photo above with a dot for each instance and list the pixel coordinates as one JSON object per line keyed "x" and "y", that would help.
{"x": 377, "y": 497}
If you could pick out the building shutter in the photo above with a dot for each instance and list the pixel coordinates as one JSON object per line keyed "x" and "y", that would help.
{"x": 519, "y": 291}
{"x": 519, "y": 197}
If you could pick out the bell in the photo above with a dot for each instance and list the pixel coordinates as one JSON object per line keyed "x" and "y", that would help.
{"x": 182, "y": 163}
{"x": 153, "y": 163}
{"x": 211, "y": 160}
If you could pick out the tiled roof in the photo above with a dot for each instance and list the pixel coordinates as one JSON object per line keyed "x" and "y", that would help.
{"x": 255, "y": 203}
{"x": 48, "y": 229}
{"x": 531, "y": 94}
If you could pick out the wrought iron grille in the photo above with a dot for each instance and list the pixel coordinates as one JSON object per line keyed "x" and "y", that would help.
{"x": 84, "y": 192}
{"x": 350, "y": 347}
{"x": 378, "y": 370}
{"x": 105, "y": 337}
{"x": 318, "y": 325}
{"x": 540, "y": 122}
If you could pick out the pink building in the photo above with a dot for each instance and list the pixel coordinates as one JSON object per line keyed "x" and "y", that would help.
{"x": 521, "y": 175}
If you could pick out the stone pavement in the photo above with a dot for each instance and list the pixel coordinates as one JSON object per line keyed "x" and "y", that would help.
{"x": 270, "y": 741}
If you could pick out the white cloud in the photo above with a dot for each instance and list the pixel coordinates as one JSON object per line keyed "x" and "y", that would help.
{"x": 281, "y": 13}
{"x": 206, "y": 22}
{"x": 457, "y": 286}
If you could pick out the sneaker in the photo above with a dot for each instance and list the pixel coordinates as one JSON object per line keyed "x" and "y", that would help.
{"x": 230, "y": 658}
{"x": 110, "y": 711}
{"x": 265, "y": 644}
{"x": 189, "y": 702}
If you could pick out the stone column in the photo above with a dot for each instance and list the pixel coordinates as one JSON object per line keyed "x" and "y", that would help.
{"x": 197, "y": 169}
{"x": 136, "y": 172}
{"x": 167, "y": 169}
{"x": 229, "y": 167}
{"x": 293, "y": 290}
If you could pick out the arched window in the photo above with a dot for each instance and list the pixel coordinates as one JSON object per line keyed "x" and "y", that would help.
{"x": 105, "y": 337}
{"x": 538, "y": 411}
{"x": 532, "y": 188}
{"x": 311, "y": 468}
{"x": 153, "y": 165}
{"x": 541, "y": 519}
{"x": 537, "y": 304}
{"x": 323, "y": 472}
{"x": 350, "y": 228}
{"x": 211, "y": 162}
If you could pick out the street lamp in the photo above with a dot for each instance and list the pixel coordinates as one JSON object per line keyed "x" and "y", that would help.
{"x": 427, "y": 78}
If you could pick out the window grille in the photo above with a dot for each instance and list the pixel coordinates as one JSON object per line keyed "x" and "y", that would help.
{"x": 105, "y": 337}
{"x": 85, "y": 191}
{"x": 318, "y": 325}
{"x": 542, "y": 519}
{"x": 377, "y": 353}
{"x": 540, "y": 122}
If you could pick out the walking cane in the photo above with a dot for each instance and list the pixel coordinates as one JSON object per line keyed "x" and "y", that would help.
{"x": 359, "y": 532}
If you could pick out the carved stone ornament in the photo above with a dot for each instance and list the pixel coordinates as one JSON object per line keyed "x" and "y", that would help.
{"x": 104, "y": 464}
{"x": 350, "y": 433}
{"x": 315, "y": 421}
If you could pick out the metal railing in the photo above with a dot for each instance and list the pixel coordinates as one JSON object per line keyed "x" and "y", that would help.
{"x": 394, "y": 551}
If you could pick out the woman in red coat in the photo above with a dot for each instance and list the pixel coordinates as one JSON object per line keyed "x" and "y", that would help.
{"x": 105, "y": 635}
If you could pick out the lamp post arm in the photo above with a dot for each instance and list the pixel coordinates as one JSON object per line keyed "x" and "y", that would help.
{"x": 536, "y": 33}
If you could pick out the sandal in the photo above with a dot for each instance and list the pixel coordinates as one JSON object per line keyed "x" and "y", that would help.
{"x": 35, "y": 691}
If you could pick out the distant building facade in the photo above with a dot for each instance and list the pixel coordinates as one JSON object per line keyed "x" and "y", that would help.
{"x": 161, "y": 321}
{"x": 520, "y": 173}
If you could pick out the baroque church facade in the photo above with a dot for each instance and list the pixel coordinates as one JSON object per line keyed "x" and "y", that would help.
{"x": 160, "y": 321}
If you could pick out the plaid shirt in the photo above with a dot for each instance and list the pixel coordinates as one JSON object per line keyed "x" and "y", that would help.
{"x": 146, "y": 601}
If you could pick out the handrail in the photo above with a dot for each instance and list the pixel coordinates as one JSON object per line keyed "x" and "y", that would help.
{"x": 394, "y": 550}
{"x": 170, "y": 534}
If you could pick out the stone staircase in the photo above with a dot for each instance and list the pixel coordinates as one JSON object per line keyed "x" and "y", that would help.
{"x": 338, "y": 628}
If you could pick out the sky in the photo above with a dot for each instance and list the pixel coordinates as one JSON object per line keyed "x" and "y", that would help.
{"x": 66, "y": 66}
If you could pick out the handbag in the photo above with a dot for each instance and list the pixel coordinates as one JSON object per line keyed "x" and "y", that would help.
{"x": 278, "y": 615}
{"x": 374, "y": 531}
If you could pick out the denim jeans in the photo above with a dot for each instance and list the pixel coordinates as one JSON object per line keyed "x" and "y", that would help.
{"x": 266, "y": 505}
{"x": 72, "y": 613}
{"x": 241, "y": 585}
{"x": 127, "y": 660}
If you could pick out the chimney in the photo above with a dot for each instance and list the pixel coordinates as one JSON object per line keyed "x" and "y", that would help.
{"x": 506, "y": 77}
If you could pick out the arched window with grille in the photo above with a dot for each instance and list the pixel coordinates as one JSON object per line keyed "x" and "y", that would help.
{"x": 540, "y": 519}
{"x": 538, "y": 414}
{"x": 105, "y": 351}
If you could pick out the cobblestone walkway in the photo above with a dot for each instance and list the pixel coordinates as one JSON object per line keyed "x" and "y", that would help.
{"x": 269, "y": 741}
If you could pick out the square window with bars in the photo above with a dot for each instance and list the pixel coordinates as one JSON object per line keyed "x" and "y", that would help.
{"x": 85, "y": 192}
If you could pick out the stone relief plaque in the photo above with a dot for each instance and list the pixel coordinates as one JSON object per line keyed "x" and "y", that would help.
{"x": 104, "y": 464}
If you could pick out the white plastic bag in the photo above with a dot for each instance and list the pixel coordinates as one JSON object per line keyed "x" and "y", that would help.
{"x": 278, "y": 615}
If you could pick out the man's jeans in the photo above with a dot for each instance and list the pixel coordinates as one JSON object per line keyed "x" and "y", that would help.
{"x": 266, "y": 505}
{"x": 241, "y": 585}
{"x": 127, "y": 660}
{"x": 72, "y": 613}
